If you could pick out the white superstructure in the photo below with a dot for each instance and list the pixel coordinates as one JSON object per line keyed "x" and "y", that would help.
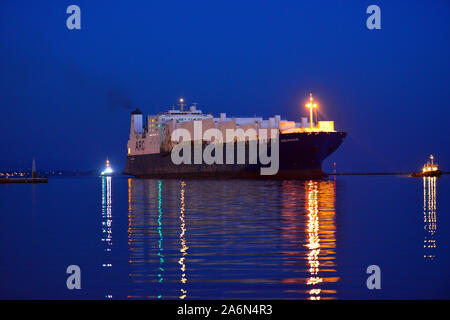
{"x": 154, "y": 136}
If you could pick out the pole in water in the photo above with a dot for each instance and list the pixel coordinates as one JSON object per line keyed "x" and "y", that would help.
{"x": 33, "y": 169}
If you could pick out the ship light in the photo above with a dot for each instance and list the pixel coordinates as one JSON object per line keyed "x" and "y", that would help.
{"x": 311, "y": 106}
{"x": 181, "y": 103}
{"x": 107, "y": 170}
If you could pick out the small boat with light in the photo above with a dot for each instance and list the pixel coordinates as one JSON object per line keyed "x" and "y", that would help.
{"x": 430, "y": 169}
{"x": 108, "y": 170}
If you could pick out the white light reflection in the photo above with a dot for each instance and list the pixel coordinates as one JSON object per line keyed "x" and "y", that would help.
{"x": 429, "y": 217}
{"x": 107, "y": 221}
{"x": 184, "y": 247}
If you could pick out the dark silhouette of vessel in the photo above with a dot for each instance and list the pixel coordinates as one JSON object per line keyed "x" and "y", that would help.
{"x": 430, "y": 169}
{"x": 302, "y": 145}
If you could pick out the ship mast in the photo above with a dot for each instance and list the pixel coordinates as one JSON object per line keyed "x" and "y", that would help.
{"x": 311, "y": 106}
{"x": 181, "y": 104}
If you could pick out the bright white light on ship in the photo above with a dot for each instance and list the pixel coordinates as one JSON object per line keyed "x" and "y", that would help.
{"x": 108, "y": 170}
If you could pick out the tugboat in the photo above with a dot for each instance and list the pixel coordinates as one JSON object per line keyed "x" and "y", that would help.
{"x": 430, "y": 169}
{"x": 108, "y": 170}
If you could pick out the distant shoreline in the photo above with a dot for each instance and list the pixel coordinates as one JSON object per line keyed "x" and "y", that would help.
{"x": 93, "y": 173}
{"x": 374, "y": 173}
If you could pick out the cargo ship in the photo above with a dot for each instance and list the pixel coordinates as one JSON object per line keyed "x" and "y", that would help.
{"x": 429, "y": 169}
{"x": 301, "y": 146}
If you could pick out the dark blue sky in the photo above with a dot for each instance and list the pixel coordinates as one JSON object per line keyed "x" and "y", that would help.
{"x": 66, "y": 96}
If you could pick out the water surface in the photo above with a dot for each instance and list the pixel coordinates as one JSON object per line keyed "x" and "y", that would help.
{"x": 226, "y": 239}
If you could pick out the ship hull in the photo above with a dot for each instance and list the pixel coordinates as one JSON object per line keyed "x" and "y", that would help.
{"x": 436, "y": 173}
{"x": 300, "y": 157}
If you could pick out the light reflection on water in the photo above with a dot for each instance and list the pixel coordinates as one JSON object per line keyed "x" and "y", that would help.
{"x": 206, "y": 239}
{"x": 184, "y": 247}
{"x": 219, "y": 239}
{"x": 107, "y": 220}
{"x": 311, "y": 215}
{"x": 429, "y": 217}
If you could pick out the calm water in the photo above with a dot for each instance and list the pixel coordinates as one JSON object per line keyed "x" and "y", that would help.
{"x": 226, "y": 239}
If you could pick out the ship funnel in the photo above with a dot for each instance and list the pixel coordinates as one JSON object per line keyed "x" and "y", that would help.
{"x": 136, "y": 122}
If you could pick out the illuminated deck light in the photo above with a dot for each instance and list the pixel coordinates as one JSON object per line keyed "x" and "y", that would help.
{"x": 181, "y": 102}
{"x": 311, "y": 106}
{"x": 430, "y": 166}
{"x": 108, "y": 170}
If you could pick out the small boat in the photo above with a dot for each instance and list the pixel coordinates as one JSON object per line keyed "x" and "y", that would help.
{"x": 430, "y": 169}
{"x": 108, "y": 170}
